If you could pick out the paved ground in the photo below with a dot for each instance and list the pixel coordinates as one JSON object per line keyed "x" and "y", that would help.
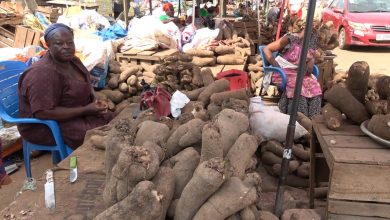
{"x": 378, "y": 58}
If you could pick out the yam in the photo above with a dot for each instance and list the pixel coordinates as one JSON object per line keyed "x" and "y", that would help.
{"x": 296, "y": 181}
{"x": 98, "y": 141}
{"x": 215, "y": 87}
{"x": 132, "y": 80}
{"x": 237, "y": 105}
{"x": 114, "y": 67}
{"x": 343, "y": 100}
{"x": 383, "y": 87}
{"x": 231, "y": 125}
{"x": 247, "y": 214}
{"x": 184, "y": 57}
{"x": 266, "y": 215}
{"x": 295, "y": 214}
{"x": 113, "y": 83}
{"x": 115, "y": 96}
{"x": 184, "y": 165}
{"x": 186, "y": 79}
{"x": 196, "y": 76}
{"x": 380, "y": 126}
{"x": 184, "y": 136}
{"x": 159, "y": 150}
{"x": 194, "y": 94}
{"x": 375, "y": 107}
{"x": 273, "y": 146}
{"x": 255, "y": 68}
{"x": 230, "y": 60}
{"x": 300, "y": 152}
{"x": 270, "y": 158}
{"x": 172, "y": 209}
{"x": 304, "y": 121}
{"x": 304, "y": 170}
{"x": 233, "y": 196}
{"x": 211, "y": 143}
{"x": 121, "y": 106}
{"x": 128, "y": 72}
{"x": 144, "y": 195}
{"x": 132, "y": 90}
{"x": 149, "y": 74}
{"x": 148, "y": 67}
{"x": 151, "y": 131}
{"x": 213, "y": 109}
{"x": 333, "y": 117}
{"x": 357, "y": 80}
{"x": 240, "y": 154}
{"x": 204, "y": 61}
{"x": 293, "y": 165}
{"x": 222, "y": 50}
{"x": 207, "y": 76}
{"x": 219, "y": 97}
{"x": 199, "y": 53}
{"x": 123, "y": 87}
{"x": 207, "y": 179}
{"x": 165, "y": 185}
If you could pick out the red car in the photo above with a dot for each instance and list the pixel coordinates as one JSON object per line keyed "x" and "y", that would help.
{"x": 360, "y": 22}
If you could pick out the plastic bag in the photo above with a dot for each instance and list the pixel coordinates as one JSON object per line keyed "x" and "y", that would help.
{"x": 268, "y": 122}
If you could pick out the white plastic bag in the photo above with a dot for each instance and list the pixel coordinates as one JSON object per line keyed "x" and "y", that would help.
{"x": 269, "y": 123}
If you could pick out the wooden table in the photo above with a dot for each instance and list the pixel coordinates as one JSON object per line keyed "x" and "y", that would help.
{"x": 63, "y": 4}
{"x": 358, "y": 171}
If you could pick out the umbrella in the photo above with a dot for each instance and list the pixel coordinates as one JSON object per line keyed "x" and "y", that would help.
{"x": 293, "y": 115}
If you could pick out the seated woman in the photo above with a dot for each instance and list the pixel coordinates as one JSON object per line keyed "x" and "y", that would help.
{"x": 57, "y": 87}
{"x": 289, "y": 47}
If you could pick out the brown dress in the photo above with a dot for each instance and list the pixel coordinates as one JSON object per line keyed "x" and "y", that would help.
{"x": 45, "y": 86}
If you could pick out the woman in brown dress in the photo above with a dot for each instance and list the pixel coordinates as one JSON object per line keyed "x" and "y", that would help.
{"x": 58, "y": 88}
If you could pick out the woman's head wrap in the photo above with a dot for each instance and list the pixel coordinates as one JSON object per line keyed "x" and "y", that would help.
{"x": 167, "y": 6}
{"x": 54, "y": 28}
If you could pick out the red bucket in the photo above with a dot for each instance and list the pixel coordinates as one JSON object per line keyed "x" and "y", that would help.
{"x": 238, "y": 79}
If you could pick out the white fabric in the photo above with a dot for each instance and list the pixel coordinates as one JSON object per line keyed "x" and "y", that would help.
{"x": 269, "y": 123}
{"x": 201, "y": 37}
{"x": 295, "y": 5}
{"x": 178, "y": 101}
{"x": 285, "y": 63}
{"x": 85, "y": 20}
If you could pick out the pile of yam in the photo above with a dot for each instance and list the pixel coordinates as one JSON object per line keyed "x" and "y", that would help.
{"x": 202, "y": 165}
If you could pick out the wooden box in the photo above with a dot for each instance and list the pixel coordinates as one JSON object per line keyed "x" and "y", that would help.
{"x": 6, "y": 37}
{"x": 25, "y": 36}
{"x": 151, "y": 57}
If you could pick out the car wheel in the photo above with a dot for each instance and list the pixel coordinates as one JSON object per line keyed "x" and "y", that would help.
{"x": 342, "y": 40}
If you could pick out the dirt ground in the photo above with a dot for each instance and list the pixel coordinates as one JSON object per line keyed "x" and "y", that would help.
{"x": 38, "y": 166}
{"x": 376, "y": 57}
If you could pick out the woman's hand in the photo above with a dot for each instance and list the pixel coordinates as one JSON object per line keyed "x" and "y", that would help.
{"x": 97, "y": 107}
{"x": 309, "y": 67}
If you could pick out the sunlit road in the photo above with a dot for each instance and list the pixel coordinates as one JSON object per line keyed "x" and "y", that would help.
{"x": 378, "y": 58}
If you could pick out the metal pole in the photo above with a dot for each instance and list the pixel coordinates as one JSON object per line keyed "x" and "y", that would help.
{"x": 293, "y": 114}
{"x": 280, "y": 19}
{"x": 150, "y": 7}
{"x": 179, "y": 10}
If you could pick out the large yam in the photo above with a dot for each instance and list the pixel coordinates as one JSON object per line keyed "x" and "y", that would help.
{"x": 211, "y": 143}
{"x": 247, "y": 214}
{"x": 270, "y": 158}
{"x": 333, "y": 117}
{"x": 196, "y": 76}
{"x": 343, "y": 100}
{"x": 300, "y": 152}
{"x": 383, "y": 87}
{"x": 240, "y": 154}
{"x": 304, "y": 121}
{"x": 144, "y": 195}
{"x": 152, "y": 131}
{"x": 129, "y": 71}
{"x": 204, "y": 61}
{"x": 113, "y": 83}
{"x": 184, "y": 136}
{"x": 273, "y": 146}
{"x": 165, "y": 185}
{"x": 230, "y": 59}
{"x": 304, "y": 170}
{"x": 357, "y": 80}
{"x": 207, "y": 76}
{"x": 375, "y": 107}
{"x": 222, "y": 50}
{"x": 207, "y": 179}
{"x": 218, "y": 98}
{"x": 194, "y": 94}
{"x": 233, "y": 196}
{"x": 215, "y": 87}
{"x": 115, "y": 96}
{"x": 380, "y": 126}
{"x": 231, "y": 125}
{"x": 114, "y": 67}
{"x": 199, "y": 53}
{"x": 184, "y": 164}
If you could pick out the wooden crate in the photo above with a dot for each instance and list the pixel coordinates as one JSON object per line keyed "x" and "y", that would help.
{"x": 25, "y": 36}
{"x": 6, "y": 38}
{"x": 151, "y": 57}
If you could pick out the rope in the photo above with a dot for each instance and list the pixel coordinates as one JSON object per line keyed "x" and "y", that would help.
{"x": 29, "y": 184}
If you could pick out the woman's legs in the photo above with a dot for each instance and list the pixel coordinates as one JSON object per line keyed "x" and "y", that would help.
{"x": 314, "y": 106}
{"x": 308, "y": 106}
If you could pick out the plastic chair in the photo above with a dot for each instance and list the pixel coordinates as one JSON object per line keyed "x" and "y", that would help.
{"x": 269, "y": 69}
{"x": 10, "y": 71}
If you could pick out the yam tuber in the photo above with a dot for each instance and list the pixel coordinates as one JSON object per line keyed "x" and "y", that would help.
{"x": 219, "y": 97}
{"x": 222, "y": 50}
{"x": 230, "y": 60}
{"x": 115, "y": 96}
{"x": 204, "y": 61}
{"x": 114, "y": 81}
{"x": 333, "y": 117}
{"x": 215, "y": 87}
{"x": 128, "y": 72}
{"x": 211, "y": 143}
{"x": 357, "y": 80}
{"x": 207, "y": 76}
{"x": 164, "y": 181}
{"x": 199, "y": 53}
{"x": 380, "y": 126}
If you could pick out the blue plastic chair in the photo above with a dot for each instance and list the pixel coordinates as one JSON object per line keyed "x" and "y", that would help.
{"x": 269, "y": 69}
{"x": 10, "y": 71}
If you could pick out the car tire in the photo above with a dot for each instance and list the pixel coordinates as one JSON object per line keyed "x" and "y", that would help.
{"x": 342, "y": 40}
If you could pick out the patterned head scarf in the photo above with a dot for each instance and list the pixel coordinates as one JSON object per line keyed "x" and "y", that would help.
{"x": 167, "y": 6}
{"x": 54, "y": 28}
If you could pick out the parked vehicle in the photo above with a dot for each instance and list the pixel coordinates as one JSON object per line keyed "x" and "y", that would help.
{"x": 360, "y": 22}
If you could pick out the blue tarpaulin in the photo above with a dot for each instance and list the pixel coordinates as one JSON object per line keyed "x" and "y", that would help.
{"x": 113, "y": 32}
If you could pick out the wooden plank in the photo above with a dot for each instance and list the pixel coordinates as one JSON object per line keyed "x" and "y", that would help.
{"x": 29, "y": 38}
{"x": 37, "y": 39}
{"x": 337, "y": 141}
{"x": 165, "y": 53}
{"x": 359, "y": 208}
{"x": 352, "y": 217}
{"x": 20, "y": 36}
{"x": 345, "y": 129}
{"x": 7, "y": 33}
{"x": 361, "y": 156}
{"x": 359, "y": 182}
{"x": 146, "y": 53}
{"x": 6, "y": 41}
{"x": 131, "y": 52}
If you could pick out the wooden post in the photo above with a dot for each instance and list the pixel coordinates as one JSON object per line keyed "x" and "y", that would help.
{"x": 258, "y": 24}
{"x": 126, "y": 12}
{"x": 150, "y": 7}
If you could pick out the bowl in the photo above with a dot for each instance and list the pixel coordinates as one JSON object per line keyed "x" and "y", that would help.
{"x": 364, "y": 128}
